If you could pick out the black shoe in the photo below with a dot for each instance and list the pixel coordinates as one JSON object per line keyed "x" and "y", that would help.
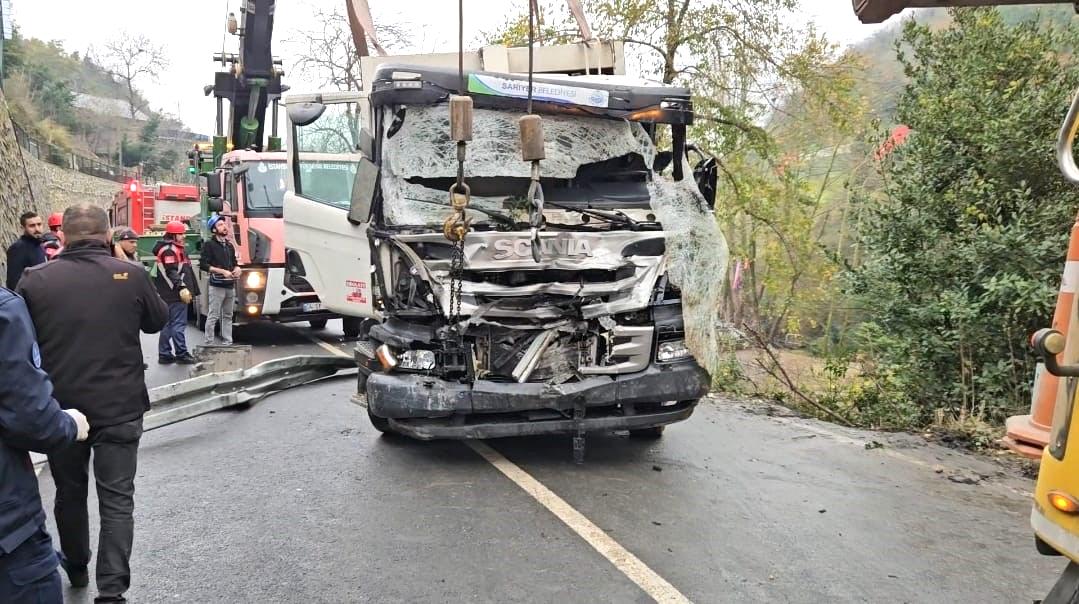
{"x": 186, "y": 359}
{"x": 79, "y": 576}
{"x": 166, "y": 360}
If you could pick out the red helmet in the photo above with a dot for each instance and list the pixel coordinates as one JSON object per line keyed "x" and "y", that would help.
{"x": 175, "y": 227}
{"x": 56, "y": 220}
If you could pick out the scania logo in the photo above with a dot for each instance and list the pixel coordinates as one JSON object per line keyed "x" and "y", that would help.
{"x": 522, "y": 248}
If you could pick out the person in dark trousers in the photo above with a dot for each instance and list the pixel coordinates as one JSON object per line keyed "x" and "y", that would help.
{"x": 218, "y": 257}
{"x": 88, "y": 309}
{"x": 30, "y": 420}
{"x": 26, "y": 251}
{"x": 175, "y": 281}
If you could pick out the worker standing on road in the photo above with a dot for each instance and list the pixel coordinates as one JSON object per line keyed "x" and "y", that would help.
{"x": 88, "y": 309}
{"x": 175, "y": 281}
{"x": 30, "y": 420}
{"x": 126, "y": 247}
{"x": 26, "y": 251}
{"x": 218, "y": 257}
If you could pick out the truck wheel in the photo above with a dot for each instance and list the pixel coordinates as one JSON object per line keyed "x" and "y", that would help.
{"x": 653, "y": 432}
{"x": 351, "y": 326}
{"x": 317, "y": 323}
{"x": 380, "y": 423}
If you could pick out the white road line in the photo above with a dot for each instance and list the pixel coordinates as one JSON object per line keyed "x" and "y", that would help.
{"x": 629, "y": 565}
{"x": 326, "y": 345}
{"x": 654, "y": 585}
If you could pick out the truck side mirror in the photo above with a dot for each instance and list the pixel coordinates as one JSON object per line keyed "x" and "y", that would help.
{"x": 364, "y": 188}
{"x": 662, "y": 160}
{"x": 705, "y": 174}
{"x": 303, "y": 114}
{"x": 215, "y": 204}
{"x": 367, "y": 144}
{"x": 213, "y": 185}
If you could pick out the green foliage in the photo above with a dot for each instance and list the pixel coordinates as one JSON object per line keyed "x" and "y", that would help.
{"x": 41, "y": 85}
{"x": 966, "y": 241}
{"x": 556, "y": 26}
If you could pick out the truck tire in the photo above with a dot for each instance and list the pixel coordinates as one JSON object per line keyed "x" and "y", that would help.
{"x": 317, "y": 323}
{"x": 653, "y": 432}
{"x": 380, "y": 423}
{"x": 351, "y": 326}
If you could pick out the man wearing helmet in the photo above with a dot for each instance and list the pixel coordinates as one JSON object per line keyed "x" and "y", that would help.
{"x": 218, "y": 257}
{"x": 52, "y": 242}
{"x": 56, "y": 222}
{"x": 176, "y": 285}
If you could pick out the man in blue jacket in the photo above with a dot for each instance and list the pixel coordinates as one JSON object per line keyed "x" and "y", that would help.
{"x": 30, "y": 420}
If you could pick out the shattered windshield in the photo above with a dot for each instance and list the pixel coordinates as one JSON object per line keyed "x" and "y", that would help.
{"x": 590, "y": 162}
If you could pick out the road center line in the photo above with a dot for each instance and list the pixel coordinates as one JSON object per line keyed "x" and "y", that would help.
{"x": 658, "y": 588}
{"x": 629, "y": 565}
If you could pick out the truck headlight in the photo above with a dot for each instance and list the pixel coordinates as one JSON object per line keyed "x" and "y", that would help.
{"x": 672, "y": 350}
{"x": 254, "y": 280}
{"x": 416, "y": 360}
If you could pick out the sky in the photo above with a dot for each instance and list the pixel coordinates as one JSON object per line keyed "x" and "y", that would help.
{"x": 193, "y": 30}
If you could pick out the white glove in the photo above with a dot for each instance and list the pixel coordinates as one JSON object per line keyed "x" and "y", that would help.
{"x": 80, "y": 422}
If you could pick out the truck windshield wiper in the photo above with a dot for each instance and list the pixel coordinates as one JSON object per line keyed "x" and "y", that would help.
{"x": 499, "y": 217}
{"x": 618, "y": 217}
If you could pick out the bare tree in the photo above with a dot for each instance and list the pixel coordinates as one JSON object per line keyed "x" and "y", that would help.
{"x": 329, "y": 53}
{"x": 132, "y": 57}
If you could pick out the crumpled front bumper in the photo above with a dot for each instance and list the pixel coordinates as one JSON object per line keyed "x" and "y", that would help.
{"x": 427, "y": 407}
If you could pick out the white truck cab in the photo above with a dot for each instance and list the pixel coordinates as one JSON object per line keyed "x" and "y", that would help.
{"x": 480, "y": 339}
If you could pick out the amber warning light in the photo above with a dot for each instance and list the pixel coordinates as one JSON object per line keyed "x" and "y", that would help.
{"x": 1063, "y": 502}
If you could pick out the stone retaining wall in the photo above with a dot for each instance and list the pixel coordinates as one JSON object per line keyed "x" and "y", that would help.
{"x": 27, "y": 183}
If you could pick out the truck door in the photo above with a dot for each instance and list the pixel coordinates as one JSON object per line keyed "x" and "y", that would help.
{"x": 332, "y": 246}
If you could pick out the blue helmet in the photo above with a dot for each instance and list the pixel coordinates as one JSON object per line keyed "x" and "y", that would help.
{"x": 210, "y": 222}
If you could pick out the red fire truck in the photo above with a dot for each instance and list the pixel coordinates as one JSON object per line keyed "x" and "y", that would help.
{"x": 147, "y": 209}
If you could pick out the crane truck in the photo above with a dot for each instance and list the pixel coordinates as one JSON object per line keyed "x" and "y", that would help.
{"x": 561, "y": 318}
{"x": 1054, "y": 515}
{"x": 244, "y": 179}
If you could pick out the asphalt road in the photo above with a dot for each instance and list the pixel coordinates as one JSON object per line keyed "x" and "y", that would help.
{"x": 298, "y": 499}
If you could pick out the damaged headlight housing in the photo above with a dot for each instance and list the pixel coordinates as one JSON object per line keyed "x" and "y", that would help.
{"x": 416, "y": 360}
{"x": 672, "y": 350}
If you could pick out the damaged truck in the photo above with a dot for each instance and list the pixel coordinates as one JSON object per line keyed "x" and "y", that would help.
{"x": 559, "y": 300}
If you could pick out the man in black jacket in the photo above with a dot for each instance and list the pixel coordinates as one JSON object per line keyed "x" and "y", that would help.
{"x": 30, "y": 420}
{"x": 88, "y": 309}
{"x": 218, "y": 258}
{"x": 26, "y": 251}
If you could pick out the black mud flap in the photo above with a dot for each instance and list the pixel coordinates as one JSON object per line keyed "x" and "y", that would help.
{"x": 1066, "y": 590}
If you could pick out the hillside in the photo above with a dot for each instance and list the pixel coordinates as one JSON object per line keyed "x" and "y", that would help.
{"x": 883, "y": 78}
{"x": 72, "y": 104}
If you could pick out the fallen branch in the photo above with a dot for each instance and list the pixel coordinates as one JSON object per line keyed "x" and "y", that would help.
{"x": 786, "y": 378}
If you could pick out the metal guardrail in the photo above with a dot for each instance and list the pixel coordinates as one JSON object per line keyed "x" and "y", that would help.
{"x": 66, "y": 159}
{"x": 204, "y": 394}
{"x": 1065, "y": 139}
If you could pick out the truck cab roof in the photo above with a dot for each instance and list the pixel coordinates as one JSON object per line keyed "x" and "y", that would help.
{"x": 613, "y": 97}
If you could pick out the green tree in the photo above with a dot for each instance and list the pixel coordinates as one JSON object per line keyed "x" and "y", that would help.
{"x": 965, "y": 243}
